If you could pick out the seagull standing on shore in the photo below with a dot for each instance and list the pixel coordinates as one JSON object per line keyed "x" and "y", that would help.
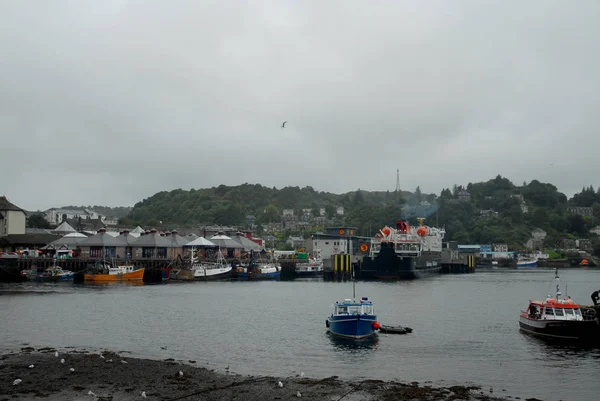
{"x": 280, "y": 384}
{"x": 62, "y": 360}
{"x": 298, "y": 394}
{"x": 56, "y": 354}
{"x": 30, "y": 366}
{"x": 180, "y": 373}
{"x": 143, "y": 394}
{"x": 71, "y": 370}
{"x": 17, "y": 382}
{"x": 301, "y": 374}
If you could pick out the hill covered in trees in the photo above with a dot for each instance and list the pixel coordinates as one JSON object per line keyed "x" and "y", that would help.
{"x": 496, "y": 211}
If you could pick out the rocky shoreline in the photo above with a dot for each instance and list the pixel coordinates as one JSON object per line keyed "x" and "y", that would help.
{"x": 108, "y": 376}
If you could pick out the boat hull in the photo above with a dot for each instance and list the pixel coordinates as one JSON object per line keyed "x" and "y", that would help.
{"x": 258, "y": 276}
{"x": 560, "y": 329}
{"x": 355, "y": 326}
{"x": 136, "y": 275}
{"x": 214, "y": 274}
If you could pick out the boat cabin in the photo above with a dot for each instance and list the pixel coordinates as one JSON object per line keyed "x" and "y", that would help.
{"x": 349, "y": 307}
{"x": 552, "y": 309}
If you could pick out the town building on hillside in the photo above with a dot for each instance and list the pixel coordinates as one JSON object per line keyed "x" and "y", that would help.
{"x": 339, "y": 210}
{"x": 12, "y": 218}
{"x": 500, "y": 247}
{"x": 581, "y": 211}
{"x": 569, "y": 243}
{"x": 464, "y": 196}
{"x": 488, "y": 213}
{"x": 585, "y": 244}
{"x": 322, "y": 212}
{"x": 595, "y": 230}
{"x": 296, "y": 242}
{"x": 57, "y": 216}
{"x": 287, "y": 213}
{"x": 110, "y": 220}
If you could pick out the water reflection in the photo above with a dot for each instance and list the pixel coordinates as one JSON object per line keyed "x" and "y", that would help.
{"x": 348, "y": 344}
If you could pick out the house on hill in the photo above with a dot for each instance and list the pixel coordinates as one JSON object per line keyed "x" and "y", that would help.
{"x": 12, "y": 218}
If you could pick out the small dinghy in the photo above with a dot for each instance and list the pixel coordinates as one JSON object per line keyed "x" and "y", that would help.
{"x": 395, "y": 329}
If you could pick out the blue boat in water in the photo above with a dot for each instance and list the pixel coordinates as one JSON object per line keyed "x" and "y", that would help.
{"x": 353, "y": 319}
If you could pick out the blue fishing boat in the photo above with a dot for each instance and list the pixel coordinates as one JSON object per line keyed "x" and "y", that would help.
{"x": 353, "y": 319}
{"x": 258, "y": 271}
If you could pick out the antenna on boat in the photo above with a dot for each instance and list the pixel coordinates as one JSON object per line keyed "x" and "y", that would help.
{"x": 557, "y": 283}
{"x": 353, "y": 286}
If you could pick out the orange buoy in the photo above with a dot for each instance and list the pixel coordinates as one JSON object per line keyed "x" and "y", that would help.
{"x": 422, "y": 231}
{"x": 376, "y": 325}
{"x": 386, "y": 231}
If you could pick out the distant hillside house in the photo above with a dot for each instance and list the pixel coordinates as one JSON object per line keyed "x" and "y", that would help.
{"x": 585, "y": 244}
{"x": 340, "y": 211}
{"x": 322, "y": 212}
{"x": 500, "y": 248}
{"x": 296, "y": 242}
{"x": 517, "y": 196}
{"x": 581, "y": 211}
{"x": 110, "y": 220}
{"x": 595, "y": 230}
{"x": 488, "y": 214}
{"x": 12, "y": 218}
{"x": 57, "y": 216}
{"x": 464, "y": 196}
{"x": 538, "y": 233}
{"x": 288, "y": 213}
{"x": 569, "y": 243}
{"x": 425, "y": 203}
{"x": 524, "y": 208}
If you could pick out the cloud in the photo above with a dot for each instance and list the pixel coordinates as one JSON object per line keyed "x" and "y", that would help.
{"x": 111, "y": 102}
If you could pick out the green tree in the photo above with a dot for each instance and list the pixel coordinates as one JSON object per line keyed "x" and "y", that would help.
{"x": 37, "y": 220}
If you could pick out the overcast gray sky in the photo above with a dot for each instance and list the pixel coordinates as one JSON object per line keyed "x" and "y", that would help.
{"x": 109, "y": 102}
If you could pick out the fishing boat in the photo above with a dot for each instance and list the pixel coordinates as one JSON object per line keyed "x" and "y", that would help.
{"x": 353, "y": 319}
{"x": 309, "y": 266}
{"x": 54, "y": 273}
{"x": 559, "y": 318}
{"x": 258, "y": 271}
{"x": 106, "y": 272}
{"x": 218, "y": 270}
{"x": 524, "y": 262}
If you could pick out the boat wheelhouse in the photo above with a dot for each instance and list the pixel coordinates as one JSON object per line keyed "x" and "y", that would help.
{"x": 559, "y": 318}
{"x": 353, "y": 319}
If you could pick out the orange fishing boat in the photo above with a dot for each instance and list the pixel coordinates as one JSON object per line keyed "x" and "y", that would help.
{"x": 119, "y": 273}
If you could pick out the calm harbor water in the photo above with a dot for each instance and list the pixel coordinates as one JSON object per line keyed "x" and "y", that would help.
{"x": 465, "y": 328}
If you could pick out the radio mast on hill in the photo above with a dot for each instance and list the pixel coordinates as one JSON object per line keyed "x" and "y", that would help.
{"x": 398, "y": 180}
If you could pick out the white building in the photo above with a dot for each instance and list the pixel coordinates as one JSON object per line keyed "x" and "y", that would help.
{"x": 327, "y": 246}
{"x": 12, "y": 218}
{"x": 56, "y": 216}
{"x": 340, "y": 210}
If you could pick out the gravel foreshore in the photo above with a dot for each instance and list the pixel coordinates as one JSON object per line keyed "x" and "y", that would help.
{"x": 110, "y": 376}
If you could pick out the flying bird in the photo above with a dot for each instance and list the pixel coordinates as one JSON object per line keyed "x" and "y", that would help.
{"x": 17, "y": 382}
{"x": 30, "y": 366}
{"x": 143, "y": 394}
{"x": 283, "y": 125}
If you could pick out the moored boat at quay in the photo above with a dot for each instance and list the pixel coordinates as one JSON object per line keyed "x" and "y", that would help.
{"x": 403, "y": 252}
{"x": 107, "y": 273}
{"x": 256, "y": 270}
{"x": 206, "y": 271}
{"x": 559, "y": 318}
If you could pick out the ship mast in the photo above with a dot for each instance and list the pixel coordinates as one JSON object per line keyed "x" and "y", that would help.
{"x": 557, "y": 279}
